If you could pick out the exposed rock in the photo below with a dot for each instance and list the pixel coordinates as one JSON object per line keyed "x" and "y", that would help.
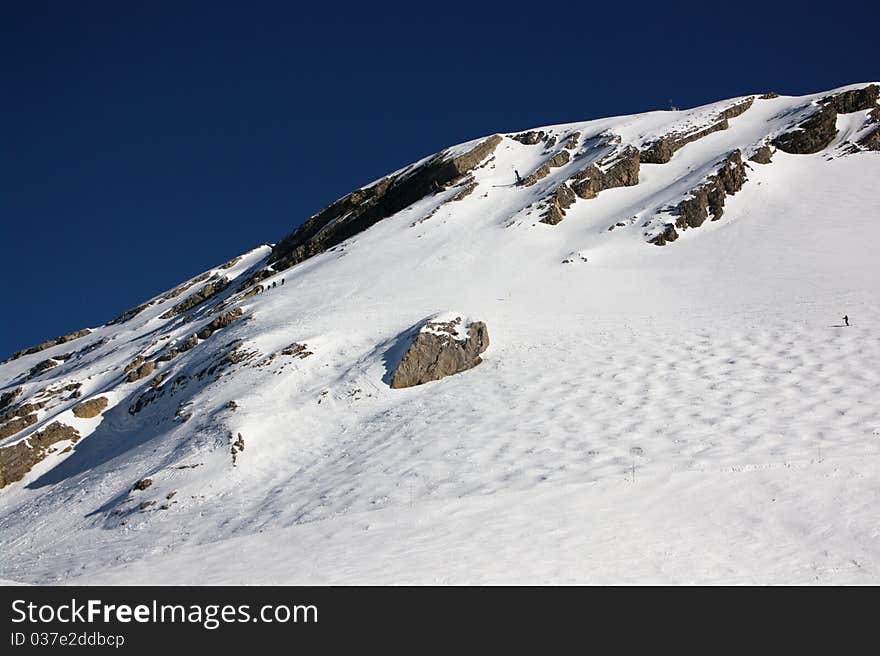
{"x": 737, "y": 109}
{"x": 134, "y": 364}
{"x": 142, "y": 484}
{"x": 15, "y": 424}
{"x": 7, "y": 398}
{"x": 559, "y": 159}
{"x": 871, "y": 141}
{"x": 158, "y": 379}
{"x": 667, "y": 235}
{"x": 40, "y": 367}
{"x": 365, "y": 207}
{"x": 18, "y": 459}
{"x": 231, "y": 263}
{"x": 572, "y": 141}
{"x": 550, "y": 142}
{"x": 129, "y": 314}
{"x": 769, "y": 95}
{"x": 296, "y": 350}
{"x": 708, "y": 198}
{"x": 190, "y": 342}
{"x": 530, "y": 138}
{"x": 211, "y": 289}
{"x": 177, "y": 291}
{"x": 620, "y": 170}
{"x": 90, "y": 408}
{"x": 220, "y": 322}
{"x": 52, "y": 342}
{"x": 855, "y": 100}
{"x": 142, "y": 371}
{"x": 561, "y": 200}
{"x": 439, "y": 350}
{"x": 762, "y": 155}
{"x": 812, "y": 135}
{"x": 662, "y": 150}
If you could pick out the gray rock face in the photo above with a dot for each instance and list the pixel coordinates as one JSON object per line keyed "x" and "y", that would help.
{"x": 364, "y": 208}
{"x": 529, "y": 138}
{"x": 211, "y": 289}
{"x": 855, "y": 100}
{"x": 812, "y": 135}
{"x": 437, "y": 352}
{"x": 708, "y": 198}
{"x": 622, "y": 172}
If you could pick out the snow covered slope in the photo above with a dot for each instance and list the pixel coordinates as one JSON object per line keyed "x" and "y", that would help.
{"x": 670, "y": 394}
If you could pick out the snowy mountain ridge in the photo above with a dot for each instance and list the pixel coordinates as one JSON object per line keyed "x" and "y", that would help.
{"x": 658, "y": 290}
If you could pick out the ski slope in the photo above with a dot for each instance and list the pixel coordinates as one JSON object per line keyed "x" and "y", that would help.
{"x": 691, "y": 413}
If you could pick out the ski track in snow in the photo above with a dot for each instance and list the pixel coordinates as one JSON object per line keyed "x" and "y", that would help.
{"x": 691, "y": 413}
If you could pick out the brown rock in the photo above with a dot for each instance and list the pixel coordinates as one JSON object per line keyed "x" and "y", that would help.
{"x": 18, "y": 459}
{"x": 762, "y": 155}
{"x": 436, "y": 354}
{"x": 142, "y": 484}
{"x": 559, "y": 159}
{"x": 220, "y": 322}
{"x": 209, "y": 290}
{"x": 141, "y": 372}
{"x": 667, "y": 235}
{"x": 90, "y": 408}
{"x": 530, "y": 138}
{"x": 52, "y": 342}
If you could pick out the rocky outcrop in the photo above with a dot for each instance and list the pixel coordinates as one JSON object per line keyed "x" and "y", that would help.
{"x": 296, "y": 350}
{"x": 142, "y": 485}
{"x": 619, "y": 170}
{"x": 854, "y": 100}
{"x": 559, "y": 159}
{"x": 177, "y": 291}
{"x": 665, "y": 236}
{"x": 211, "y": 289}
{"x": 762, "y": 155}
{"x": 140, "y": 372}
{"x": 52, "y": 342}
{"x": 365, "y": 207}
{"x": 15, "y": 424}
{"x": 440, "y": 349}
{"x": 129, "y": 314}
{"x": 871, "y": 141}
{"x": 708, "y": 198}
{"x": 662, "y": 150}
{"x": 91, "y": 408}
{"x": 812, "y": 135}
{"x": 18, "y": 459}
{"x": 563, "y": 197}
{"x": 768, "y": 96}
{"x": 531, "y": 138}
{"x": 220, "y": 322}
{"x": 41, "y": 367}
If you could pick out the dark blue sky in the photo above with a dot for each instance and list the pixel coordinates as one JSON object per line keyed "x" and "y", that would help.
{"x": 145, "y": 142}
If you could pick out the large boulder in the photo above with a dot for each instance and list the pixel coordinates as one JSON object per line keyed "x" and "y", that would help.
{"x": 442, "y": 347}
{"x": 91, "y": 408}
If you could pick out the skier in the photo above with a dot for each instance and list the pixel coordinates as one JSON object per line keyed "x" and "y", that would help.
{"x": 282, "y": 281}
{"x": 846, "y": 319}
{"x": 518, "y": 179}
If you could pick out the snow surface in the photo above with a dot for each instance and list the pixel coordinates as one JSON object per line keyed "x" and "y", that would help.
{"x": 690, "y": 413}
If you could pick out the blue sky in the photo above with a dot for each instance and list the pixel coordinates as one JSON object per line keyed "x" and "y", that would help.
{"x": 145, "y": 142}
